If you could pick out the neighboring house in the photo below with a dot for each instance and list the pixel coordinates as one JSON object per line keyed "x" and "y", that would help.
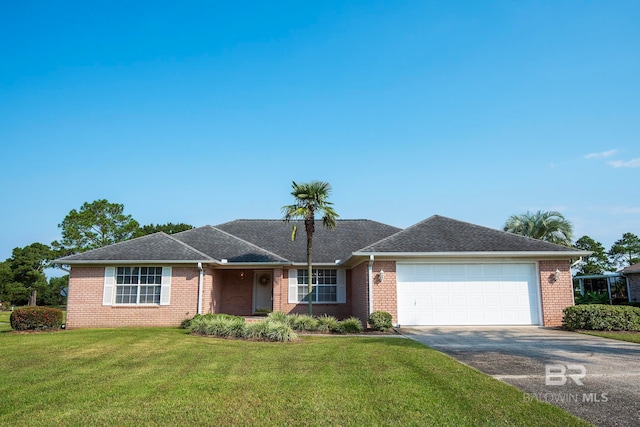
{"x": 437, "y": 272}
{"x": 632, "y": 273}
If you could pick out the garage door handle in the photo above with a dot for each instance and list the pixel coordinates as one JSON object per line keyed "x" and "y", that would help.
{"x": 414, "y": 302}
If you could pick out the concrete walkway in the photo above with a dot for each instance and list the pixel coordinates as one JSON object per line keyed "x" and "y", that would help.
{"x": 594, "y": 378}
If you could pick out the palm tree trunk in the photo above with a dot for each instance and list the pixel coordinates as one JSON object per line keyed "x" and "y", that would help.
{"x": 310, "y": 272}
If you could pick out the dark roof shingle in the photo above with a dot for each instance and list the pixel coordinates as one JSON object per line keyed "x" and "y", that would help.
{"x": 439, "y": 234}
{"x": 222, "y": 245}
{"x": 153, "y": 247}
{"x": 328, "y": 245}
{"x": 635, "y": 268}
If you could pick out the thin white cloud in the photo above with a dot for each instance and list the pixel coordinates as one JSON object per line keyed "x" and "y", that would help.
{"x": 633, "y": 163}
{"x": 601, "y": 155}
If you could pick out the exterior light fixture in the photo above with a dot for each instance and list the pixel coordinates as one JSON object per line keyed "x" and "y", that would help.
{"x": 556, "y": 275}
{"x": 381, "y": 275}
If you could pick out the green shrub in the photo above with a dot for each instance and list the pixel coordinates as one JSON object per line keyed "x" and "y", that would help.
{"x": 352, "y": 325}
{"x": 256, "y": 330}
{"x": 328, "y": 324}
{"x": 5, "y": 306}
{"x": 33, "y": 318}
{"x": 186, "y": 323}
{"x": 235, "y": 328}
{"x": 303, "y": 322}
{"x": 380, "y": 320}
{"x": 278, "y": 331}
{"x": 602, "y": 318}
{"x": 279, "y": 316}
{"x": 222, "y": 327}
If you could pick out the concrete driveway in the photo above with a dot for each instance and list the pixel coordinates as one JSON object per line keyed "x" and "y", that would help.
{"x": 596, "y": 379}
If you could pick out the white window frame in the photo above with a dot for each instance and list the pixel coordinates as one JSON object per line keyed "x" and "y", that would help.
{"x": 295, "y": 284}
{"x": 111, "y": 286}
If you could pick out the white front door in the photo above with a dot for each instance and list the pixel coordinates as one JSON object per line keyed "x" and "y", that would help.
{"x": 263, "y": 292}
{"x": 467, "y": 294}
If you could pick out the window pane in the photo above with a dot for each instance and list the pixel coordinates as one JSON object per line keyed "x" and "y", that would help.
{"x": 149, "y": 294}
{"x": 126, "y": 294}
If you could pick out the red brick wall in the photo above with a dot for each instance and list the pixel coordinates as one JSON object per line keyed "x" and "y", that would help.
{"x": 236, "y": 292}
{"x": 385, "y": 295}
{"x": 634, "y": 286}
{"x": 360, "y": 292}
{"x": 281, "y": 301}
{"x": 279, "y": 288}
{"x": 210, "y": 290}
{"x": 556, "y": 295}
{"x": 85, "y": 309}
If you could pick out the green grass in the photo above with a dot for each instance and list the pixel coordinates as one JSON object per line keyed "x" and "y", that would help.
{"x": 4, "y": 321}
{"x": 162, "y": 376}
{"x": 621, "y": 336}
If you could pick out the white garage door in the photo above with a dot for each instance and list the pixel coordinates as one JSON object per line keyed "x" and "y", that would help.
{"x": 467, "y": 294}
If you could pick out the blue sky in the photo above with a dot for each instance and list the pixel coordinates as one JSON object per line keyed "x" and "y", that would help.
{"x": 204, "y": 112}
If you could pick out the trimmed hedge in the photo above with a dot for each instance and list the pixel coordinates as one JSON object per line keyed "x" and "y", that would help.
{"x": 35, "y": 318}
{"x": 599, "y": 317}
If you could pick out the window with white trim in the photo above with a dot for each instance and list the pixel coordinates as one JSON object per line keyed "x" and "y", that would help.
{"x": 324, "y": 282}
{"x": 138, "y": 285}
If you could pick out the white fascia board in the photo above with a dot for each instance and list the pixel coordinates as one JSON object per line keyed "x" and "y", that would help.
{"x": 509, "y": 254}
{"x": 253, "y": 264}
{"x": 316, "y": 264}
{"x": 129, "y": 261}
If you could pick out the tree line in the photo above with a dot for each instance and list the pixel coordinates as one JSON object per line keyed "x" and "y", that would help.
{"x": 94, "y": 225}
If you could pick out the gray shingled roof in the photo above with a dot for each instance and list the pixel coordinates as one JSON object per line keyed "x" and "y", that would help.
{"x": 269, "y": 241}
{"x": 439, "y": 234}
{"x": 154, "y": 247}
{"x": 328, "y": 245}
{"x": 222, "y": 245}
{"x": 635, "y": 268}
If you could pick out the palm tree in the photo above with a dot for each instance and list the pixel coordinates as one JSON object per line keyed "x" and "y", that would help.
{"x": 310, "y": 198}
{"x": 549, "y": 226}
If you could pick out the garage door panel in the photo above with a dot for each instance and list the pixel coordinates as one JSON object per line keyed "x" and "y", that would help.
{"x": 467, "y": 294}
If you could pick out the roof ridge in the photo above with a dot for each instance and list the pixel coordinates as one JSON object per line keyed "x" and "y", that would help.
{"x": 281, "y": 220}
{"x": 492, "y": 229}
{"x": 250, "y": 244}
{"x": 189, "y": 246}
{"x": 396, "y": 233}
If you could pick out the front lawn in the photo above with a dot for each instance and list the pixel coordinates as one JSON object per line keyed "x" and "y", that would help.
{"x": 616, "y": 335}
{"x": 4, "y": 321}
{"x": 162, "y": 376}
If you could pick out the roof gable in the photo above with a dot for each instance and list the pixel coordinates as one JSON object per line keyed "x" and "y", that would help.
{"x": 153, "y": 247}
{"x": 439, "y": 234}
{"x": 328, "y": 245}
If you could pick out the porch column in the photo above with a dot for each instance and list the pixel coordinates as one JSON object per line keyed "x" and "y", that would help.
{"x": 278, "y": 284}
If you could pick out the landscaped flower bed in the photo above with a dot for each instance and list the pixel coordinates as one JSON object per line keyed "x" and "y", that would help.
{"x": 277, "y": 326}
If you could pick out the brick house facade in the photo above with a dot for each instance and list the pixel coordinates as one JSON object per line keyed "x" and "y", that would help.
{"x": 632, "y": 273}
{"x": 244, "y": 266}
